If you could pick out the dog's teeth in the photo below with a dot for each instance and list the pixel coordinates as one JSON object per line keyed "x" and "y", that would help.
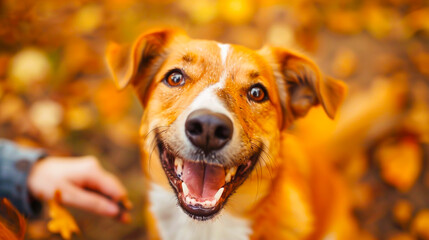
{"x": 209, "y": 204}
{"x": 230, "y": 173}
{"x": 228, "y": 178}
{"x": 185, "y": 189}
{"x": 178, "y": 164}
{"x": 218, "y": 194}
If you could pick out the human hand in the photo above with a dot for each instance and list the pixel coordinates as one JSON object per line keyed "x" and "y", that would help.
{"x": 73, "y": 177}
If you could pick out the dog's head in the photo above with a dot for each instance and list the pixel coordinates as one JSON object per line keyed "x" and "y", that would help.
{"x": 214, "y": 109}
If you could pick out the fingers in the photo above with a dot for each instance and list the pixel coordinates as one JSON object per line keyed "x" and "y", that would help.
{"x": 104, "y": 182}
{"x": 89, "y": 201}
{"x": 72, "y": 175}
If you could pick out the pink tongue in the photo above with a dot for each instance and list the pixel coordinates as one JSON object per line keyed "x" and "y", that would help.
{"x": 203, "y": 180}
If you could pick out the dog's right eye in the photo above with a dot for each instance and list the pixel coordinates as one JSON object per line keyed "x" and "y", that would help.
{"x": 257, "y": 93}
{"x": 174, "y": 78}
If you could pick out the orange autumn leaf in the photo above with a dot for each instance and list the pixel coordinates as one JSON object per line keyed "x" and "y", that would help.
{"x": 367, "y": 114}
{"x": 111, "y": 103}
{"x": 417, "y": 20}
{"x": 345, "y": 63}
{"x": 378, "y": 20}
{"x": 400, "y": 163}
{"x": 12, "y": 223}
{"x": 402, "y": 211}
{"x": 401, "y": 236}
{"x": 421, "y": 61}
{"x": 237, "y": 11}
{"x": 347, "y": 22}
{"x": 62, "y": 221}
{"x": 420, "y": 224}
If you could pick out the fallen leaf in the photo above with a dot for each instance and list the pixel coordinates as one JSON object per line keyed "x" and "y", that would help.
{"x": 28, "y": 66}
{"x": 401, "y": 236}
{"x": 345, "y": 63}
{"x": 62, "y": 221}
{"x": 344, "y": 21}
{"x": 402, "y": 212}
{"x": 237, "y": 11}
{"x": 12, "y": 223}
{"x": 420, "y": 225}
{"x": 88, "y": 18}
{"x": 79, "y": 117}
{"x": 379, "y": 21}
{"x": 400, "y": 162}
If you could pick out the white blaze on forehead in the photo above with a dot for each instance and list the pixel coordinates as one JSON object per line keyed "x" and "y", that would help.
{"x": 208, "y": 99}
{"x": 224, "y": 48}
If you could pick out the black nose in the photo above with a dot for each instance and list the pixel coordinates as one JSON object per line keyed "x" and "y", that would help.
{"x": 208, "y": 130}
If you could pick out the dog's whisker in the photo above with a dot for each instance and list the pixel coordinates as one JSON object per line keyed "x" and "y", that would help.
{"x": 266, "y": 157}
{"x": 150, "y": 156}
{"x": 155, "y": 131}
{"x": 258, "y": 179}
{"x": 153, "y": 143}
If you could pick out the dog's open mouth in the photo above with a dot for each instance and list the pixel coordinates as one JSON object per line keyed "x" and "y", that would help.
{"x": 202, "y": 188}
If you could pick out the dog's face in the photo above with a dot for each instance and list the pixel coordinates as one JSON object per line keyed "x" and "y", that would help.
{"x": 215, "y": 110}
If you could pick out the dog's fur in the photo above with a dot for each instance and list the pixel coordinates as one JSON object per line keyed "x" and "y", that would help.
{"x": 286, "y": 195}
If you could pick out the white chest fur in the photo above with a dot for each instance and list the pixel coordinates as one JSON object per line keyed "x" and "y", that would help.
{"x": 174, "y": 224}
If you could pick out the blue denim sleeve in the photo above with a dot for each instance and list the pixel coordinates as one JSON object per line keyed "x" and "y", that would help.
{"x": 15, "y": 164}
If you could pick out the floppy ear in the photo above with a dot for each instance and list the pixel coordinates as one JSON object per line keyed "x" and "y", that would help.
{"x": 301, "y": 86}
{"x": 129, "y": 63}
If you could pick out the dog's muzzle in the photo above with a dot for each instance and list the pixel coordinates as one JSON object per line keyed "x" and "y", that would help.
{"x": 207, "y": 130}
{"x": 203, "y": 183}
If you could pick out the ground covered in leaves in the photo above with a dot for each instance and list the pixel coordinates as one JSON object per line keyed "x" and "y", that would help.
{"x": 55, "y": 92}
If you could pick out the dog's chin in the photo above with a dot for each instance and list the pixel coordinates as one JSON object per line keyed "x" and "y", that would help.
{"x": 202, "y": 189}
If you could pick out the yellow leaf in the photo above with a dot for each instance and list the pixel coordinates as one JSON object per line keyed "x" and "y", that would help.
{"x": 347, "y": 22}
{"x": 202, "y": 11}
{"x": 402, "y": 211}
{"x": 88, "y": 18}
{"x": 401, "y": 236}
{"x": 379, "y": 21}
{"x": 420, "y": 224}
{"x": 46, "y": 114}
{"x": 416, "y": 21}
{"x": 62, "y": 221}
{"x": 345, "y": 63}
{"x": 237, "y": 11}
{"x": 79, "y": 117}
{"x": 111, "y": 103}
{"x": 400, "y": 162}
{"x": 28, "y": 66}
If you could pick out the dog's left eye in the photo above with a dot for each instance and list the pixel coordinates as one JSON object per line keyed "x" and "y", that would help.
{"x": 175, "y": 79}
{"x": 257, "y": 93}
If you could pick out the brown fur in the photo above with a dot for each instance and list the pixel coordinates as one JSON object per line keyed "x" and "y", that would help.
{"x": 292, "y": 197}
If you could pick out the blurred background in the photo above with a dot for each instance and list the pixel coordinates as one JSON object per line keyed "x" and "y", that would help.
{"x": 55, "y": 92}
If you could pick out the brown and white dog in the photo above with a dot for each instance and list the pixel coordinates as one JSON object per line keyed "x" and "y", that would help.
{"x": 215, "y": 148}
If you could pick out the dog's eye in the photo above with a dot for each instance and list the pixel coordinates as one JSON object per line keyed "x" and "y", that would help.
{"x": 175, "y": 79}
{"x": 257, "y": 93}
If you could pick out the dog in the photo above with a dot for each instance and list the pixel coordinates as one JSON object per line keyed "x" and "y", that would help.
{"x": 216, "y": 152}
